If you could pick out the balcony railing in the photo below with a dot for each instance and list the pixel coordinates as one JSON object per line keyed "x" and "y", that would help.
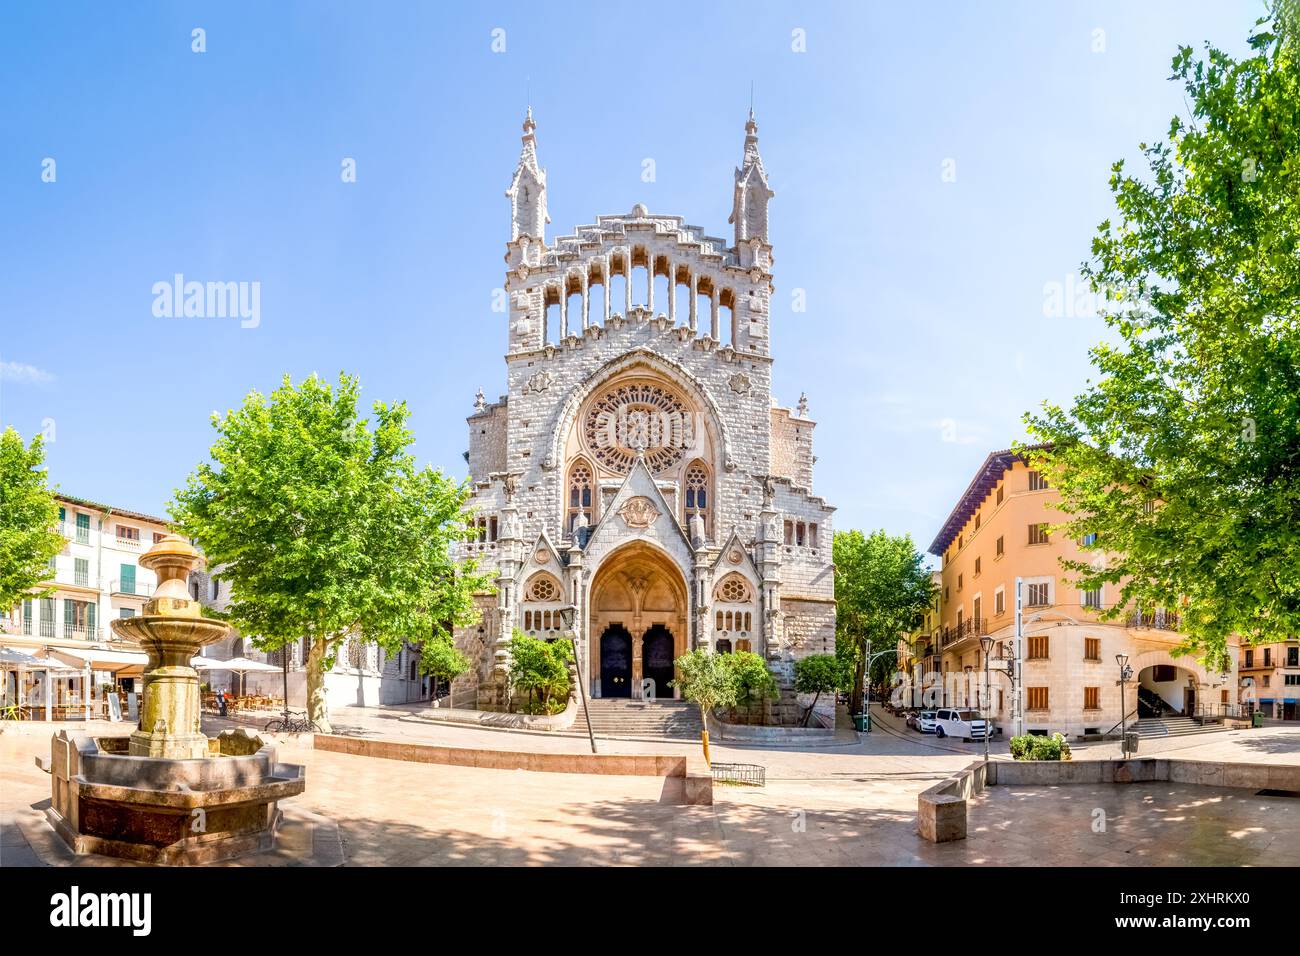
{"x": 122, "y": 542}
{"x": 977, "y": 627}
{"x": 1162, "y": 620}
{"x": 137, "y": 588}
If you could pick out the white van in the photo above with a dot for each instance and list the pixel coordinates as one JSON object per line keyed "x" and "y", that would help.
{"x": 965, "y": 724}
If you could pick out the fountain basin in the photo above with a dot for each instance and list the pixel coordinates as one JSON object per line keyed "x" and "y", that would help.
{"x": 176, "y": 812}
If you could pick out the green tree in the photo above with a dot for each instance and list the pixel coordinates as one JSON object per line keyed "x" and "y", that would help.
{"x": 28, "y": 515}
{"x": 539, "y": 667}
{"x": 706, "y": 679}
{"x": 882, "y": 588}
{"x": 818, "y": 674}
{"x": 1183, "y": 458}
{"x": 754, "y": 682}
{"x": 325, "y": 527}
{"x": 442, "y": 660}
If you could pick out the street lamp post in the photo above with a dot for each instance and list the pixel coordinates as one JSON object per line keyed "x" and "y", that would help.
{"x": 567, "y": 615}
{"x": 866, "y": 683}
{"x": 1125, "y": 673}
{"x": 986, "y": 645}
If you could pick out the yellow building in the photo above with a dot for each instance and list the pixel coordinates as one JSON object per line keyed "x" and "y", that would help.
{"x": 997, "y": 534}
{"x": 1270, "y": 678}
{"x": 915, "y": 648}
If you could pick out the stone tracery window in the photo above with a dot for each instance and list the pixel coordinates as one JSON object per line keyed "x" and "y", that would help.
{"x": 638, "y": 415}
{"x": 542, "y": 589}
{"x": 580, "y": 494}
{"x": 696, "y": 493}
{"x": 734, "y": 590}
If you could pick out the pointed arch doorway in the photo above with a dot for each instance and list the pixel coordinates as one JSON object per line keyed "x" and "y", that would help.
{"x": 638, "y": 603}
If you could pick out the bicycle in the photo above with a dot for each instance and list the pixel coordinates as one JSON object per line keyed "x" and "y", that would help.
{"x": 292, "y": 722}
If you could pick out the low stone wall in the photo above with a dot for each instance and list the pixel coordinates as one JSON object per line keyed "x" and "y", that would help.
{"x": 941, "y": 810}
{"x": 503, "y": 721}
{"x": 723, "y": 730}
{"x": 697, "y": 786}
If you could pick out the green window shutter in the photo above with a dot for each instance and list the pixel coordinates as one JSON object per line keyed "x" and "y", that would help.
{"x": 83, "y": 528}
{"x": 69, "y": 614}
{"x": 63, "y": 515}
{"x": 127, "y": 584}
{"x": 27, "y": 612}
{"x": 90, "y": 621}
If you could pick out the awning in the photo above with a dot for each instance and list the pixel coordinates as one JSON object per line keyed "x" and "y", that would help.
{"x": 100, "y": 660}
{"x": 12, "y": 657}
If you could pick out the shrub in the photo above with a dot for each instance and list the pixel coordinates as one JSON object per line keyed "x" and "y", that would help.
{"x": 1038, "y": 747}
{"x": 541, "y": 668}
{"x": 706, "y": 679}
{"x": 819, "y": 674}
{"x": 754, "y": 682}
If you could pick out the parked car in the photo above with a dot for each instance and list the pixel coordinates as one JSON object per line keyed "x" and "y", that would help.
{"x": 922, "y": 720}
{"x": 965, "y": 724}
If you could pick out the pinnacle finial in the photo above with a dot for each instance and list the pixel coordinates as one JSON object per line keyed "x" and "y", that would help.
{"x": 480, "y": 402}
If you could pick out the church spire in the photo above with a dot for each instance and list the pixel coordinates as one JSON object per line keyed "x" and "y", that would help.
{"x": 527, "y": 192}
{"x": 749, "y": 207}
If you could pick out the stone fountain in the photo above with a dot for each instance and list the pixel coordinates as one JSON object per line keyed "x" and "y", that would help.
{"x": 168, "y": 794}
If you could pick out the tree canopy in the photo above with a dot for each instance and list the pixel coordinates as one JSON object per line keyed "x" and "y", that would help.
{"x": 882, "y": 588}
{"x": 1183, "y": 457}
{"x": 325, "y": 527}
{"x": 28, "y": 515}
{"x": 540, "y": 668}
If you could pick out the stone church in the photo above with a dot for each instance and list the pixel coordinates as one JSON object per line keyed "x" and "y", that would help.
{"x": 638, "y": 467}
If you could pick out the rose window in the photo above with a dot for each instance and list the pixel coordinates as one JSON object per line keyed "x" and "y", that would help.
{"x": 639, "y": 417}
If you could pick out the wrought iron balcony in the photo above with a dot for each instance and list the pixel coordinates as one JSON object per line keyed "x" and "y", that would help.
{"x": 1161, "y": 619}
{"x": 976, "y": 627}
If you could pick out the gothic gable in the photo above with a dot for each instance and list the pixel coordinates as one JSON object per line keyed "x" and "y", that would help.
{"x": 734, "y": 557}
{"x": 639, "y": 511}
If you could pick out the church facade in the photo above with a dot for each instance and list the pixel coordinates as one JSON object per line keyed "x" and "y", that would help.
{"x": 637, "y": 467}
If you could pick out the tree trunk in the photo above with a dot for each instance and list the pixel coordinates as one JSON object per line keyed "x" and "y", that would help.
{"x": 859, "y": 680}
{"x": 317, "y": 705}
{"x": 807, "y": 718}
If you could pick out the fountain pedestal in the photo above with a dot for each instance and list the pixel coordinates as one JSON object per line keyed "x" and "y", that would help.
{"x": 168, "y": 794}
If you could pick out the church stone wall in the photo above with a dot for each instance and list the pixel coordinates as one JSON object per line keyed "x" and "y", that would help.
{"x": 713, "y": 356}
{"x": 487, "y": 440}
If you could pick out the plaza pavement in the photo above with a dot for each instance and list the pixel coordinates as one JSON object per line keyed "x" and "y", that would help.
{"x": 851, "y": 804}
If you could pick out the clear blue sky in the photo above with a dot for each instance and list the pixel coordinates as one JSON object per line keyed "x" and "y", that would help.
{"x": 925, "y": 317}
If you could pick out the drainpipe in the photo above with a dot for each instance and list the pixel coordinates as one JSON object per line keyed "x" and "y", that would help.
{"x": 99, "y": 569}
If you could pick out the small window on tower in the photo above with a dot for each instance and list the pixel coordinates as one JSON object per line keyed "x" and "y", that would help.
{"x": 580, "y": 495}
{"x": 696, "y": 498}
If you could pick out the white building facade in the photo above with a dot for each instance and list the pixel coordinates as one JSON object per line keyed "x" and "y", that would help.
{"x": 93, "y": 580}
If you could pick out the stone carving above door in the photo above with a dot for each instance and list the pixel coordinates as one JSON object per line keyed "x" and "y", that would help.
{"x": 638, "y": 512}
